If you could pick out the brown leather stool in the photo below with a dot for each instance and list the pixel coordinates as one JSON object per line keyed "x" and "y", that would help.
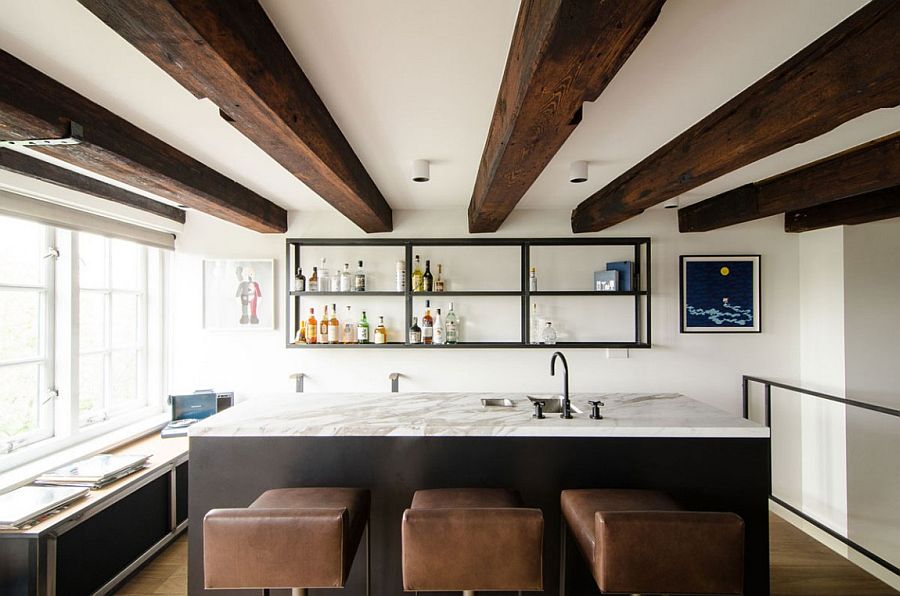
{"x": 294, "y": 538}
{"x": 471, "y": 539}
{"x": 641, "y": 541}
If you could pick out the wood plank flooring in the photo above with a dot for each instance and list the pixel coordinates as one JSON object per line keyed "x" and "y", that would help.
{"x": 801, "y": 566}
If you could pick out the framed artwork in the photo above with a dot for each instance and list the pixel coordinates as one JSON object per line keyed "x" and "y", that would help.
{"x": 239, "y": 295}
{"x": 720, "y": 294}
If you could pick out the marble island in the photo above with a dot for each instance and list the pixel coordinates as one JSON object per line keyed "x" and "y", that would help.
{"x": 462, "y": 414}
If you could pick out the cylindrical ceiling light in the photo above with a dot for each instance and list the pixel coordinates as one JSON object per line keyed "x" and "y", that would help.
{"x": 671, "y": 203}
{"x": 578, "y": 171}
{"x": 421, "y": 170}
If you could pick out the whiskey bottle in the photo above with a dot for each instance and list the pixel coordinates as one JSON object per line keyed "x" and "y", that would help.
{"x": 345, "y": 278}
{"x": 415, "y": 332}
{"x": 417, "y": 278}
{"x": 532, "y": 280}
{"x": 380, "y": 332}
{"x": 451, "y": 327}
{"x": 324, "y": 278}
{"x": 299, "y": 281}
{"x": 359, "y": 280}
{"x": 439, "y": 280}
{"x": 311, "y": 326}
{"x": 334, "y": 326}
{"x": 314, "y": 280}
{"x": 323, "y": 327}
{"x": 349, "y": 328}
{"x": 427, "y": 279}
{"x": 438, "y": 329}
{"x": 427, "y": 324}
{"x": 362, "y": 330}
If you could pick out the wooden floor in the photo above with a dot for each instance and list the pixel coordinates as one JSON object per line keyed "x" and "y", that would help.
{"x": 800, "y": 566}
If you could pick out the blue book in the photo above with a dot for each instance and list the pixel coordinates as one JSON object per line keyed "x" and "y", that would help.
{"x": 627, "y": 282}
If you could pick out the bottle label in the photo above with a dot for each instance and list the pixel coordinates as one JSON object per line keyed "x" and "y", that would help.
{"x": 345, "y": 283}
{"x": 360, "y": 283}
{"x": 427, "y": 332}
{"x": 415, "y": 337}
{"x": 379, "y": 337}
{"x": 313, "y": 286}
{"x": 362, "y": 334}
{"x": 401, "y": 280}
{"x": 332, "y": 334}
{"x": 452, "y": 333}
{"x": 438, "y": 335}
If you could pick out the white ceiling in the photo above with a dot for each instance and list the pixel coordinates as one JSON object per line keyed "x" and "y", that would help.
{"x": 408, "y": 79}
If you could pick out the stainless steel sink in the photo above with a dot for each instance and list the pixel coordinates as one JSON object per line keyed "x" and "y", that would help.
{"x": 492, "y": 402}
{"x": 552, "y": 403}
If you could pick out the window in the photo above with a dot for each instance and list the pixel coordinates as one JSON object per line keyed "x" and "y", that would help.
{"x": 81, "y": 336}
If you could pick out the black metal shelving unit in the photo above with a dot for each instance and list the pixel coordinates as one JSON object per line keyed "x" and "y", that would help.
{"x": 641, "y": 295}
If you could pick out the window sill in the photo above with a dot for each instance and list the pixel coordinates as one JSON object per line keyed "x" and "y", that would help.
{"x": 27, "y": 472}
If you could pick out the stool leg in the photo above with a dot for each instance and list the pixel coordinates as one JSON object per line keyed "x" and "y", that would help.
{"x": 468, "y": 592}
{"x": 368, "y": 559}
{"x": 562, "y": 555}
{"x": 298, "y": 591}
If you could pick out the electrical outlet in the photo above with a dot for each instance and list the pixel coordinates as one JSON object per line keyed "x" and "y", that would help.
{"x": 616, "y": 353}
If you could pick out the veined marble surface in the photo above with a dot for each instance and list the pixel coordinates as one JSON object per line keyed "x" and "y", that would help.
{"x": 461, "y": 414}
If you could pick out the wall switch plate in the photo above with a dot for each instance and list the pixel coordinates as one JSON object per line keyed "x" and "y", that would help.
{"x": 616, "y": 353}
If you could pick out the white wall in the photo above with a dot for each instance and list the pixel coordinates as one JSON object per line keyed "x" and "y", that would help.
{"x": 707, "y": 367}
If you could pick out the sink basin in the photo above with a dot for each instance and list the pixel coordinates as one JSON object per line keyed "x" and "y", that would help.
{"x": 553, "y": 403}
{"x": 491, "y": 402}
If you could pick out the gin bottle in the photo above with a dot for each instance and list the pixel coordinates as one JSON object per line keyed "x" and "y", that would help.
{"x": 359, "y": 280}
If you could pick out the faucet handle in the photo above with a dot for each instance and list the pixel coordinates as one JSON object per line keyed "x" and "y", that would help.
{"x": 595, "y": 409}
{"x": 539, "y": 410}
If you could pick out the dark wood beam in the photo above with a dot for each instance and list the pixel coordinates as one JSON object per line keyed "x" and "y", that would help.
{"x": 229, "y": 51}
{"x": 563, "y": 53}
{"x": 863, "y": 169}
{"x": 13, "y": 161}
{"x": 34, "y": 106}
{"x": 872, "y": 206}
{"x": 849, "y": 71}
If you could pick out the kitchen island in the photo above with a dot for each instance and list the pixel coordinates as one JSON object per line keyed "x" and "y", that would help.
{"x": 394, "y": 444}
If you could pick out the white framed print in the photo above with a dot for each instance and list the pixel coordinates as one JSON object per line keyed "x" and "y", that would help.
{"x": 239, "y": 294}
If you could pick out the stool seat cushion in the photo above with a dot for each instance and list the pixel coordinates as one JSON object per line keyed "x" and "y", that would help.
{"x": 287, "y": 538}
{"x": 456, "y": 498}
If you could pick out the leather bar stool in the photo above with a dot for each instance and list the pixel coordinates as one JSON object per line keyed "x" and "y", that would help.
{"x": 295, "y": 538}
{"x": 471, "y": 539}
{"x": 642, "y": 542}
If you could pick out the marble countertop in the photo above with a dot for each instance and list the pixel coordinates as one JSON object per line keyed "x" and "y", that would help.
{"x": 462, "y": 414}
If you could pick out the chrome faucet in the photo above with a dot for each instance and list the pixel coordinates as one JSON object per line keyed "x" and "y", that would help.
{"x": 566, "y": 404}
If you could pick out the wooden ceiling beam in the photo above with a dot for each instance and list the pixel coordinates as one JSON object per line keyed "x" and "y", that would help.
{"x": 20, "y": 163}
{"x": 230, "y": 52}
{"x": 865, "y": 208}
{"x": 867, "y": 168}
{"x": 34, "y": 106}
{"x": 563, "y": 53}
{"x": 845, "y": 73}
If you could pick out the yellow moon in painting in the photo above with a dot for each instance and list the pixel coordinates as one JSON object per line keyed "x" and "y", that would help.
{"x": 724, "y": 271}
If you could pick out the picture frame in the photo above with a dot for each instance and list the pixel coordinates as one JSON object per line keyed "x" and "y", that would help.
{"x": 239, "y": 294}
{"x": 720, "y": 294}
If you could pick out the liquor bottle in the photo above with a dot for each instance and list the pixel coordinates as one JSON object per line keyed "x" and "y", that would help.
{"x": 536, "y": 327}
{"x": 345, "y": 278}
{"x": 314, "y": 280}
{"x": 334, "y": 326}
{"x": 359, "y": 280}
{"x": 324, "y": 278}
{"x": 311, "y": 326}
{"x": 299, "y": 281}
{"x": 451, "y": 327}
{"x": 438, "y": 329}
{"x": 380, "y": 332}
{"x": 417, "y": 279}
{"x": 428, "y": 279}
{"x": 548, "y": 337}
{"x": 439, "y": 280}
{"x": 323, "y": 327}
{"x": 300, "y": 337}
{"x": 362, "y": 330}
{"x": 349, "y": 328}
{"x": 427, "y": 324}
{"x": 401, "y": 277}
{"x": 532, "y": 281}
{"x": 415, "y": 332}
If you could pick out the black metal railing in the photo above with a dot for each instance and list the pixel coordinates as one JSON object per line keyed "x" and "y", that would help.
{"x": 767, "y": 387}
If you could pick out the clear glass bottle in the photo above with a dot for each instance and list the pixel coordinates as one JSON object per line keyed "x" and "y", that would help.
{"x": 359, "y": 280}
{"x": 535, "y": 330}
{"x": 323, "y": 327}
{"x": 548, "y": 337}
{"x": 427, "y": 279}
{"x": 439, "y": 280}
{"x": 299, "y": 281}
{"x": 349, "y": 328}
{"x": 362, "y": 330}
{"x": 311, "y": 327}
{"x": 334, "y": 327}
{"x": 324, "y": 278}
{"x": 381, "y": 332}
{"x": 451, "y": 327}
{"x": 345, "y": 284}
{"x": 415, "y": 332}
{"x": 438, "y": 334}
{"x": 427, "y": 325}
{"x": 400, "y": 277}
{"x": 532, "y": 280}
{"x": 314, "y": 280}
{"x": 417, "y": 278}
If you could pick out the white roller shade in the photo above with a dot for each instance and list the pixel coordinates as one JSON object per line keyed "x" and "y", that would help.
{"x": 16, "y": 205}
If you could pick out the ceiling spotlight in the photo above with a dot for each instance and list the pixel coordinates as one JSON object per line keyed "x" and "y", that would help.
{"x": 671, "y": 203}
{"x": 578, "y": 171}
{"x": 421, "y": 170}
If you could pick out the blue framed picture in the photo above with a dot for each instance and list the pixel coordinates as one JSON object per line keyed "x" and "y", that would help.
{"x": 720, "y": 294}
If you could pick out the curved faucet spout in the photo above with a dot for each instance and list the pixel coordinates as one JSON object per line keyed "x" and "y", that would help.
{"x": 566, "y": 403}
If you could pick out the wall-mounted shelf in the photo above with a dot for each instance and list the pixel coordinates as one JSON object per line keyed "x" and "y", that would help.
{"x": 638, "y": 250}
